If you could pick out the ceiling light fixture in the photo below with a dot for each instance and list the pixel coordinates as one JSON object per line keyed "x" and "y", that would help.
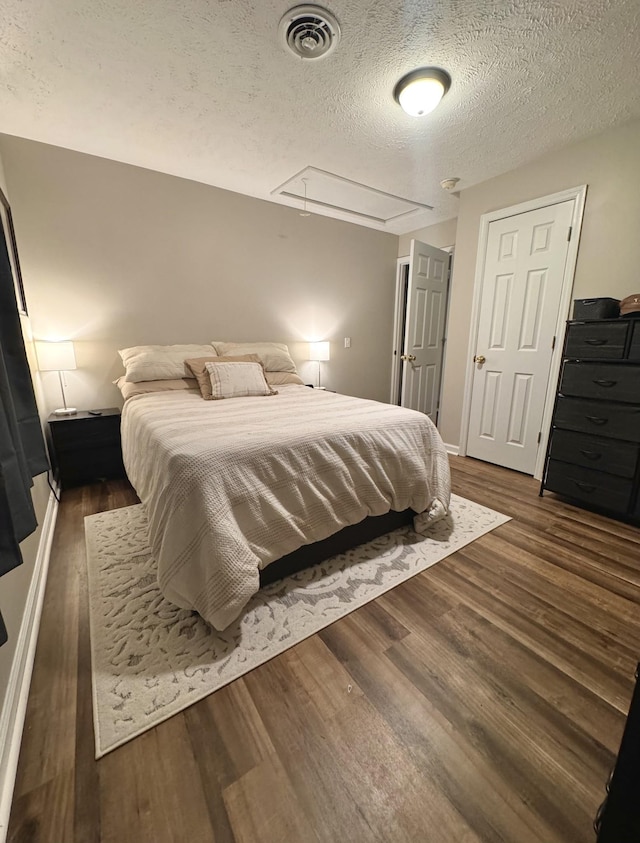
{"x": 420, "y": 91}
{"x": 304, "y": 212}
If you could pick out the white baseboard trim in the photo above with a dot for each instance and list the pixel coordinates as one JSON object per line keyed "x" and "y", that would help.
{"x": 15, "y": 703}
{"x": 454, "y": 450}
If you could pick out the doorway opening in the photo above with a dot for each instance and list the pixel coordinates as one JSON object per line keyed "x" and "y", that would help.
{"x": 421, "y": 310}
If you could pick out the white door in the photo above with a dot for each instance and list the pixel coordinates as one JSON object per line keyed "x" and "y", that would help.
{"x": 521, "y": 291}
{"x": 424, "y": 328}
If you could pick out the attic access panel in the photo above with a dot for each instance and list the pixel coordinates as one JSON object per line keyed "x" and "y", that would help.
{"x": 333, "y": 192}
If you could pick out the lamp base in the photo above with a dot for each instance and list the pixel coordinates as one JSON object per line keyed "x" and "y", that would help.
{"x": 65, "y": 411}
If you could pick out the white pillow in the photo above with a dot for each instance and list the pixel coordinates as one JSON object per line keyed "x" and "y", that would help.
{"x": 274, "y": 356}
{"x": 160, "y": 362}
{"x": 128, "y": 390}
{"x": 237, "y": 380}
{"x": 282, "y": 378}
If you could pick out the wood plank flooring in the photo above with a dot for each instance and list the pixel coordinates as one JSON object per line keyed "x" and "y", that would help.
{"x": 481, "y": 701}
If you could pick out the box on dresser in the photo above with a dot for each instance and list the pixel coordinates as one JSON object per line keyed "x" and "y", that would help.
{"x": 600, "y": 308}
{"x": 593, "y": 455}
{"x": 86, "y": 446}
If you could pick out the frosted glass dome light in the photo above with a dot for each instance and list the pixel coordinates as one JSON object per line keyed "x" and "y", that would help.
{"x": 420, "y": 91}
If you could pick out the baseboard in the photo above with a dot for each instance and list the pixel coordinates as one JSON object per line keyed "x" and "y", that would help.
{"x": 454, "y": 450}
{"x": 15, "y": 703}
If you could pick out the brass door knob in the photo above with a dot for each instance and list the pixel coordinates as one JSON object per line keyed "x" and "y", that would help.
{"x": 409, "y": 357}
{"x": 480, "y": 358}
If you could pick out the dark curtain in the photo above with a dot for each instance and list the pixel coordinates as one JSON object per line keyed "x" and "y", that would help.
{"x": 22, "y": 449}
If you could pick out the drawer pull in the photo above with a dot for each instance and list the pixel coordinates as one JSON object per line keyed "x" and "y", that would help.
{"x": 605, "y": 383}
{"x": 596, "y": 419}
{"x": 586, "y": 487}
{"x": 590, "y": 455}
{"x": 594, "y": 341}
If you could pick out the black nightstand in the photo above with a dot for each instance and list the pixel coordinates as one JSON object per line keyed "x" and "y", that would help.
{"x": 86, "y": 447}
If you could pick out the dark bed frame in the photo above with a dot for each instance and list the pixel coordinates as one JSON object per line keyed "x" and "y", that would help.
{"x": 345, "y": 539}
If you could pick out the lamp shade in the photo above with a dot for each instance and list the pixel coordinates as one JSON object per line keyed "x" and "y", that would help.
{"x": 319, "y": 351}
{"x": 55, "y": 356}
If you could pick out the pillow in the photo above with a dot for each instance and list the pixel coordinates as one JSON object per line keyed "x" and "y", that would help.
{"x": 274, "y": 356}
{"x": 128, "y": 390}
{"x": 237, "y": 380}
{"x": 281, "y": 378}
{"x": 198, "y": 367}
{"x": 159, "y": 362}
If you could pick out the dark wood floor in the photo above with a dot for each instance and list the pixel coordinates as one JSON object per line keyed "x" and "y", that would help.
{"x": 488, "y": 697}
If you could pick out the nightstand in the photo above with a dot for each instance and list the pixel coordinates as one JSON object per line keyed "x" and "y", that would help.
{"x": 86, "y": 447}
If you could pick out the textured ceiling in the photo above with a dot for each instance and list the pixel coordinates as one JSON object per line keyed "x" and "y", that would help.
{"x": 203, "y": 89}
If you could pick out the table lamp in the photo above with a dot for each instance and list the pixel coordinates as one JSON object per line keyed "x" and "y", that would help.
{"x": 319, "y": 351}
{"x": 57, "y": 357}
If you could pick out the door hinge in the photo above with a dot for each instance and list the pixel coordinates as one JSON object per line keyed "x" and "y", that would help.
{"x": 539, "y": 437}
{"x": 553, "y": 343}
{"x": 569, "y": 234}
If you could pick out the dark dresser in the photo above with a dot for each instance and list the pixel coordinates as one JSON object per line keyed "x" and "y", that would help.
{"x": 594, "y": 446}
{"x": 86, "y": 447}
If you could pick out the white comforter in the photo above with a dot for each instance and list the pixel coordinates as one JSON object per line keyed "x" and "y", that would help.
{"x": 229, "y": 486}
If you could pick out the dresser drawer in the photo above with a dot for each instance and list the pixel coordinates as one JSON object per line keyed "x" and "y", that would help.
{"x": 634, "y": 351}
{"x": 607, "y": 455}
{"x": 83, "y": 466}
{"x": 594, "y": 487}
{"x": 596, "y": 339}
{"x": 611, "y": 382}
{"x": 618, "y": 421}
{"x": 81, "y": 433}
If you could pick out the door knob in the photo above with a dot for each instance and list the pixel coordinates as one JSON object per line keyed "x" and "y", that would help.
{"x": 480, "y": 358}
{"x": 409, "y": 357}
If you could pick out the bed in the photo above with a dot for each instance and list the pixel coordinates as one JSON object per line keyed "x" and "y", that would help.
{"x": 229, "y": 487}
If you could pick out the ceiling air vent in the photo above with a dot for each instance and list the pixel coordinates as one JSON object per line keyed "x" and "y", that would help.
{"x": 310, "y": 32}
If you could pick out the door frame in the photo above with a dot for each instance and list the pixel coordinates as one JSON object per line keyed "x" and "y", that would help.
{"x": 578, "y": 195}
{"x": 399, "y": 325}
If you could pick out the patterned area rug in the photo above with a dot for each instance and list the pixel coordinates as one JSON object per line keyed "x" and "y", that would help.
{"x": 151, "y": 660}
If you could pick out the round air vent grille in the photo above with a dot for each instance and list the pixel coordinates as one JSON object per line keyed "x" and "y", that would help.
{"x": 310, "y": 32}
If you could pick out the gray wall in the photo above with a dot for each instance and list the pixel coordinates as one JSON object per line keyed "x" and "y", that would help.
{"x": 609, "y": 253}
{"x": 115, "y": 255}
{"x": 440, "y": 235}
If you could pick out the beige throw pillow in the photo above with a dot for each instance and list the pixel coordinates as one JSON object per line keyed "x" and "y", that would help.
{"x": 199, "y": 369}
{"x": 237, "y": 380}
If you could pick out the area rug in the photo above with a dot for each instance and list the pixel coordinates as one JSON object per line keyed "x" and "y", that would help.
{"x": 151, "y": 660}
